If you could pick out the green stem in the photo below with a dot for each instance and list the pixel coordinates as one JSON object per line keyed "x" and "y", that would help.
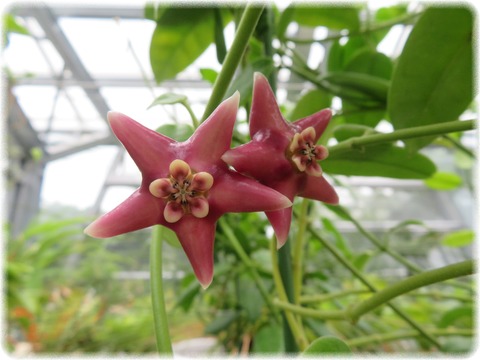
{"x": 370, "y": 286}
{"x": 285, "y": 268}
{"x": 297, "y": 260}
{"x": 195, "y": 121}
{"x": 385, "y": 25}
{"x": 413, "y": 132}
{"x": 375, "y": 241}
{"x": 413, "y": 282}
{"x": 234, "y": 56}
{"x": 297, "y": 331}
{"x": 162, "y": 335}
{"x": 459, "y": 146}
{"x": 334, "y": 295}
{"x": 405, "y": 334}
{"x": 311, "y": 313}
{"x": 249, "y": 264}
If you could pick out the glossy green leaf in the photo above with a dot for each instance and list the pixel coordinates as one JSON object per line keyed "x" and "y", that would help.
{"x": 340, "y": 54}
{"x": 380, "y": 160}
{"x": 372, "y": 63}
{"x": 443, "y": 181}
{"x": 327, "y": 345}
{"x": 182, "y": 34}
{"x": 168, "y": 99}
{"x": 178, "y": 132}
{"x": 459, "y": 238}
{"x": 433, "y": 80}
{"x": 312, "y": 101}
{"x": 387, "y": 14}
{"x": 333, "y": 17}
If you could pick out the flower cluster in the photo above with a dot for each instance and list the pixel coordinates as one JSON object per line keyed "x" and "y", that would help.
{"x": 187, "y": 186}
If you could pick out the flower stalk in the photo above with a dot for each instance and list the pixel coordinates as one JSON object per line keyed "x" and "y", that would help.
{"x": 234, "y": 55}
{"x": 162, "y": 335}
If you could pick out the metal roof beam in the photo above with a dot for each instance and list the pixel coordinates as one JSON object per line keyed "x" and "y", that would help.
{"x": 53, "y": 31}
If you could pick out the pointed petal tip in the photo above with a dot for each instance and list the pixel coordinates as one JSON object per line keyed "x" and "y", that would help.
{"x": 92, "y": 230}
{"x": 205, "y": 284}
{"x": 258, "y": 76}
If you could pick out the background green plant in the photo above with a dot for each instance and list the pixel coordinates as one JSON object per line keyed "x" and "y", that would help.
{"x": 61, "y": 296}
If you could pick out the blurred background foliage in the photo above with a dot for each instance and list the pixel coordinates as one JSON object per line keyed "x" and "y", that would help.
{"x": 67, "y": 292}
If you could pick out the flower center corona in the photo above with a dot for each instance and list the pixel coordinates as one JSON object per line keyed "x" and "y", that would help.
{"x": 184, "y": 191}
{"x": 304, "y": 153}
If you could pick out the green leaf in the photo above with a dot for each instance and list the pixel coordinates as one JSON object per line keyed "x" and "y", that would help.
{"x": 333, "y": 17}
{"x": 219, "y": 37}
{"x": 178, "y": 132}
{"x": 387, "y": 14}
{"x": 149, "y": 11}
{"x": 249, "y": 297}
{"x": 346, "y": 131}
{"x": 340, "y": 241}
{"x": 244, "y": 81}
{"x": 461, "y": 314}
{"x": 182, "y": 34}
{"x": 433, "y": 80}
{"x": 459, "y": 238}
{"x": 11, "y": 25}
{"x": 311, "y": 102}
{"x": 170, "y": 237}
{"x": 443, "y": 181}
{"x": 222, "y": 321}
{"x": 168, "y": 99}
{"x": 380, "y": 160}
{"x": 268, "y": 340}
{"x": 327, "y": 345}
{"x": 209, "y": 75}
{"x": 340, "y": 55}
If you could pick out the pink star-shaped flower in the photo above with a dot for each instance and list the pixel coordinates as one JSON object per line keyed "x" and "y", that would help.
{"x": 283, "y": 155}
{"x": 185, "y": 185}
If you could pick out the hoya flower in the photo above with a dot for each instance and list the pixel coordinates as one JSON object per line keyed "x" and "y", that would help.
{"x": 185, "y": 185}
{"x": 283, "y": 155}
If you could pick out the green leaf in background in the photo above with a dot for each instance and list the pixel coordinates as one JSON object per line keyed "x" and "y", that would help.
{"x": 249, "y": 297}
{"x": 149, "y": 11}
{"x": 168, "y": 99}
{"x": 380, "y": 160}
{"x": 433, "y": 80}
{"x": 443, "y": 181}
{"x": 459, "y": 238}
{"x": 312, "y": 101}
{"x": 178, "y": 132}
{"x": 327, "y": 345}
{"x": 244, "y": 81}
{"x": 222, "y": 321}
{"x": 209, "y": 75}
{"x": 346, "y": 131}
{"x": 269, "y": 340}
{"x": 182, "y": 34}
{"x": 341, "y": 54}
{"x": 462, "y": 315}
{"x": 10, "y": 25}
{"x": 333, "y": 17}
{"x": 384, "y": 15}
{"x": 219, "y": 37}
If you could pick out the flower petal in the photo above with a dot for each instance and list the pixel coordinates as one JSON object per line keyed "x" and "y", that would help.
{"x": 139, "y": 211}
{"x": 161, "y": 188}
{"x": 265, "y": 113}
{"x": 237, "y": 193}
{"x": 321, "y": 152}
{"x": 197, "y": 237}
{"x": 150, "y": 150}
{"x": 202, "y": 181}
{"x": 309, "y": 135}
{"x": 317, "y": 188}
{"x": 270, "y": 160}
{"x": 296, "y": 143}
{"x": 297, "y": 159}
{"x": 199, "y": 207}
{"x": 280, "y": 220}
{"x": 318, "y": 121}
{"x": 173, "y": 212}
{"x": 214, "y": 135}
{"x": 179, "y": 169}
